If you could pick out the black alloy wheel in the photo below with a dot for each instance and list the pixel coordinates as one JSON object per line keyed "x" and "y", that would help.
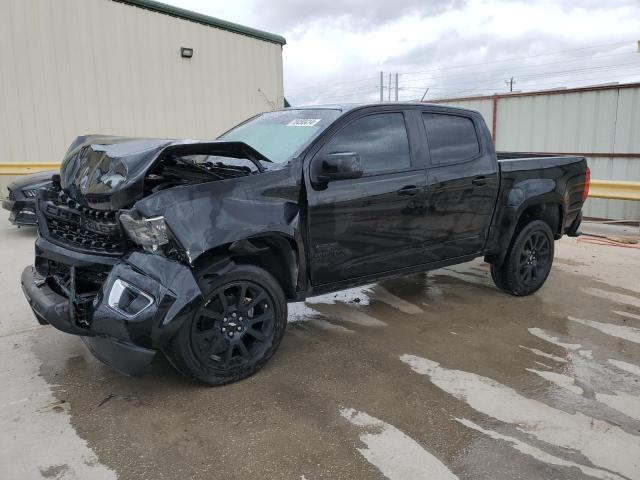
{"x": 534, "y": 259}
{"x": 235, "y": 325}
{"x": 528, "y": 260}
{"x": 236, "y": 329}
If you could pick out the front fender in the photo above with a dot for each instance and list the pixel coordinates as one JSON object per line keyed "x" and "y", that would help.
{"x": 205, "y": 216}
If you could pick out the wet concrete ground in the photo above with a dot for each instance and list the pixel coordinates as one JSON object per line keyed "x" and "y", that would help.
{"x": 436, "y": 376}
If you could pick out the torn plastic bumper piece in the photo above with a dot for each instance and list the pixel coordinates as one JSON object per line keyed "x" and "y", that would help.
{"x": 122, "y": 357}
{"x": 139, "y": 307}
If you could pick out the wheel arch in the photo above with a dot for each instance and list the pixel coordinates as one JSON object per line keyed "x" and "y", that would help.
{"x": 272, "y": 251}
{"x": 549, "y": 211}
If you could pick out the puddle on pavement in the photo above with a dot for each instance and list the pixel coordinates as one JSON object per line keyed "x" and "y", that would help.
{"x": 471, "y": 404}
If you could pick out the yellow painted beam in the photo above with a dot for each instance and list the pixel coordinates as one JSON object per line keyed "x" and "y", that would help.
{"x": 614, "y": 190}
{"x": 26, "y": 168}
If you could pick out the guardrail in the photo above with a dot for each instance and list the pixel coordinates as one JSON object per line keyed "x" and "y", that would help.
{"x": 26, "y": 168}
{"x": 609, "y": 189}
{"x": 614, "y": 190}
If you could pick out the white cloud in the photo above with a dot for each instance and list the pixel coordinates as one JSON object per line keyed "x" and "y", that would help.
{"x": 335, "y": 50}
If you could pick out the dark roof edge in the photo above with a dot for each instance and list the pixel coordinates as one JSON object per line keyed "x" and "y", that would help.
{"x": 533, "y": 93}
{"x": 205, "y": 19}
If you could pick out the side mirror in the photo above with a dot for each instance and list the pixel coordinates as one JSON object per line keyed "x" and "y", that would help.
{"x": 339, "y": 166}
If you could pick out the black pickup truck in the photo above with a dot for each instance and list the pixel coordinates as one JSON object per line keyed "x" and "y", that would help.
{"x": 194, "y": 248}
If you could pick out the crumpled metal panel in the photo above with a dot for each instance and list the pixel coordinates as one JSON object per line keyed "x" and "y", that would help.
{"x": 107, "y": 173}
{"x": 207, "y": 215}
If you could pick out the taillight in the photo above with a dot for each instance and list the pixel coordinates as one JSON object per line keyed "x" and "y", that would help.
{"x": 587, "y": 182}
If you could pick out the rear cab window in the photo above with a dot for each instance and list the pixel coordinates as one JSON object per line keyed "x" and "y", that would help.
{"x": 452, "y": 138}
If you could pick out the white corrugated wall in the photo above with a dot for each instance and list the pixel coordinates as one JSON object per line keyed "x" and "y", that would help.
{"x": 73, "y": 67}
{"x": 598, "y": 121}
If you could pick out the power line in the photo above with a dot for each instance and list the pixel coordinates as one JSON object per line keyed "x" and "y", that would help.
{"x": 508, "y": 69}
{"x": 531, "y": 81}
{"x": 360, "y": 80}
{"x": 556, "y": 73}
{"x": 349, "y": 94}
{"x": 524, "y": 78}
{"x": 492, "y": 86}
{"x": 517, "y": 68}
{"x": 519, "y": 58}
{"x": 363, "y": 79}
{"x": 487, "y": 89}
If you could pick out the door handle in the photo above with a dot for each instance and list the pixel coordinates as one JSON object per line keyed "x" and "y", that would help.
{"x": 409, "y": 190}
{"x": 480, "y": 180}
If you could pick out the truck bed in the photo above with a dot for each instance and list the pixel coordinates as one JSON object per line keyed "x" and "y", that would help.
{"x": 556, "y": 179}
{"x": 516, "y": 161}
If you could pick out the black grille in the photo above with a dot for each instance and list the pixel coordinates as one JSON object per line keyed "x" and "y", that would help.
{"x": 31, "y": 193}
{"x": 76, "y": 235}
{"x": 83, "y": 228}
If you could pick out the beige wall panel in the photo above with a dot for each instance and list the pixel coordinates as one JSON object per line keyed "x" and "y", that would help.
{"x": 74, "y": 67}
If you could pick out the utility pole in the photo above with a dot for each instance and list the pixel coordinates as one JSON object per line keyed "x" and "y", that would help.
{"x": 510, "y": 82}
{"x": 389, "y": 87}
{"x": 381, "y": 86}
{"x": 396, "y": 87}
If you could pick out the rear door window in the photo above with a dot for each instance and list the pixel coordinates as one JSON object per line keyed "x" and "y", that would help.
{"x": 452, "y": 138}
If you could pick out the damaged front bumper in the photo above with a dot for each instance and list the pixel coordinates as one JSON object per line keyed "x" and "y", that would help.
{"x": 125, "y": 309}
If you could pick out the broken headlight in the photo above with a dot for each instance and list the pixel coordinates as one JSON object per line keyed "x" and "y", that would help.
{"x": 148, "y": 232}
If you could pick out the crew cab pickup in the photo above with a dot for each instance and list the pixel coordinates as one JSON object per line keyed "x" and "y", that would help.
{"x": 194, "y": 248}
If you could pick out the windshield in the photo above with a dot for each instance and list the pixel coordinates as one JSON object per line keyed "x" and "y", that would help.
{"x": 280, "y": 135}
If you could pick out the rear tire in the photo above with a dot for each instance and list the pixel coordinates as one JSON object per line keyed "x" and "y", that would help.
{"x": 235, "y": 331}
{"x": 528, "y": 261}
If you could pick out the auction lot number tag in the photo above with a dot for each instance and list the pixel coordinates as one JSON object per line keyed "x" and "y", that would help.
{"x": 303, "y": 122}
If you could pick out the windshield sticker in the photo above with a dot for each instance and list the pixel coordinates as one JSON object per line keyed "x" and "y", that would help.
{"x": 303, "y": 122}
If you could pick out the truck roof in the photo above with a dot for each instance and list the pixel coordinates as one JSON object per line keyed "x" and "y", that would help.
{"x": 345, "y": 107}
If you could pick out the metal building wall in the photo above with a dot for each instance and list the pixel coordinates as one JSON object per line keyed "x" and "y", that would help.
{"x": 595, "y": 121}
{"x": 484, "y": 106}
{"x": 72, "y": 67}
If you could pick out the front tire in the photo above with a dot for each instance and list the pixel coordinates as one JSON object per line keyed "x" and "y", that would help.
{"x": 528, "y": 261}
{"x": 235, "y": 331}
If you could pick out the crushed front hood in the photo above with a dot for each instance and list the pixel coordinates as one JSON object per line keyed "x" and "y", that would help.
{"x": 107, "y": 172}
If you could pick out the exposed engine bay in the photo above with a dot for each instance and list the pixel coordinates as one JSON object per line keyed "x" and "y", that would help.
{"x": 193, "y": 169}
